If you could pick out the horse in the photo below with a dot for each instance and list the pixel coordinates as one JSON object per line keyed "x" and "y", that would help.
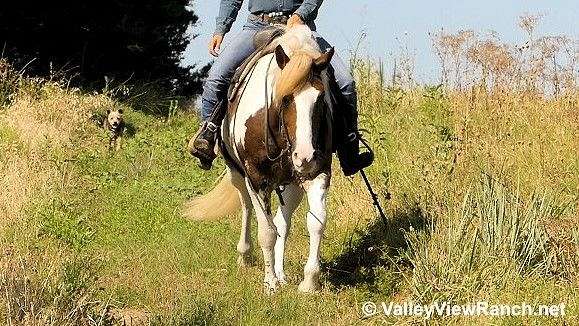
{"x": 277, "y": 137}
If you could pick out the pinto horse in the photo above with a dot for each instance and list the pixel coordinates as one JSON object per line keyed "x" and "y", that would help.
{"x": 277, "y": 134}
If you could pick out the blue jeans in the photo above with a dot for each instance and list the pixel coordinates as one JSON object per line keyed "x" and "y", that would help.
{"x": 241, "y": 47}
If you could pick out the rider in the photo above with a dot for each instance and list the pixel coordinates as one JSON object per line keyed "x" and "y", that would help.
{"x": 264, "y": 13}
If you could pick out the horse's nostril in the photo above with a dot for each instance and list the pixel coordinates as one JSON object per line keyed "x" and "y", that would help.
{"x": 298, "y": 162}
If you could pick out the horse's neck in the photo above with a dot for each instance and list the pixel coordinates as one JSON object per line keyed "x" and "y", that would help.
{"x": 252, "y": 97}
{"x": 257, "y": 91}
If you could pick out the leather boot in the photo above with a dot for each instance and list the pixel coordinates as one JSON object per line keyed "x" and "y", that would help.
{"x": 351, "y": 160}
{"x": 345, "y": 126}
{"x": 202, "y": 145}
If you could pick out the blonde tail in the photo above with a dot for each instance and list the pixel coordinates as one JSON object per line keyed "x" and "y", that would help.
{"x": 219, "y": 202}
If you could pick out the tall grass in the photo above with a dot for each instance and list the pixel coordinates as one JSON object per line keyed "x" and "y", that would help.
{"x": 490, "y": 158}
{"x": 42, "y": 125}
{"x": 49, "y": 288}
{"x": 496, "y": 237}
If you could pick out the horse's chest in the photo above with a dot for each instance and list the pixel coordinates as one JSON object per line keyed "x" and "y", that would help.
{"x": 267, "y": 166}
{"x": 267, "y": 175}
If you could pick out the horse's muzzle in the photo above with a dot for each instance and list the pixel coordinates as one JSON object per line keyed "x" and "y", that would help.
{"x": 305, "y": 164}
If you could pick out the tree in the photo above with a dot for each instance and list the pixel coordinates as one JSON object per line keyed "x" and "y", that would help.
{"x": 139, "y": 41}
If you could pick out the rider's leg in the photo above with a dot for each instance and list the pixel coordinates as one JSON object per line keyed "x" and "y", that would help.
{"x": 214, "y": 98}
{"x": 348, "y": 150}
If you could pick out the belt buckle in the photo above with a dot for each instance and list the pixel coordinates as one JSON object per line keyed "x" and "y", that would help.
{"x": 276, "y": 18}
{"x": 275, "y": 14}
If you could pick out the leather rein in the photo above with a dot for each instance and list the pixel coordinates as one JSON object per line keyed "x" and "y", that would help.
{"x": 268, "y": 131}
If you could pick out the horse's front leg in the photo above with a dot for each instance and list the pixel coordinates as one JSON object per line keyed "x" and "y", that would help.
{"x": 292, "y": 196}
{"x": 266, "y": 235}
{"x": 317, "y": 191}
{"x": 244, "y": 245}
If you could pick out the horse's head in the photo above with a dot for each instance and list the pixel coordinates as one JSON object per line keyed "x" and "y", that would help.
{"x": 299, "y": 86}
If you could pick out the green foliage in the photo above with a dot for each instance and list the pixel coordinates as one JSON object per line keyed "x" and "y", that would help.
{"x": 66, "y": 222}
{"x": 103, "y": 42}
{"x": 195, "y": 313}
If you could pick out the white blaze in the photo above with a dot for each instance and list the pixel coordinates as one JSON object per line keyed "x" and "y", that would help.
{"x": 305, "y": 102}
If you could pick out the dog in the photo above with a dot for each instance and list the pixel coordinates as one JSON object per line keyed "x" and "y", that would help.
{"x": 114, "y": 123}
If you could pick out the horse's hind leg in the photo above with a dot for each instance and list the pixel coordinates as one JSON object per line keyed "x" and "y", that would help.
{"x": 317, "y": 191}
{"x": 244, "y": 244}
{"x": 292, "y": 195}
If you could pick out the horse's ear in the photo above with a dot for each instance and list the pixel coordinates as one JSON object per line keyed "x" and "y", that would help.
{"x": 324, "y": 60}
{"x": 281, "y": 57}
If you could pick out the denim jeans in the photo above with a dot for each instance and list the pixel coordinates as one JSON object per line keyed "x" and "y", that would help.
{"x": 217, "y": 83}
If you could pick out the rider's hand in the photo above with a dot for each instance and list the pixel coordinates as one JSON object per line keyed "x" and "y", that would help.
{"x": 294, "y": 20}
{"x": 215, "y": 44}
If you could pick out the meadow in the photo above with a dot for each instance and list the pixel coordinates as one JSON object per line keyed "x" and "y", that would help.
{"x": 479, "y": 177}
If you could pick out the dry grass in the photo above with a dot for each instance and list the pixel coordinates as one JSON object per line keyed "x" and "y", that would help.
{"x": 540, "y": 64}
{"x": 498, "y": 116}
{"x": 41, "y": 122}
{"x": 48, "y": 287}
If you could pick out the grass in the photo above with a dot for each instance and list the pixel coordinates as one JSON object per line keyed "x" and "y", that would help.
{"x": 481, "y": 190}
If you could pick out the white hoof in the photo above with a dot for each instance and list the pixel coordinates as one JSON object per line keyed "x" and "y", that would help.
{"x": 282, "y": 279}
{"x": 309, "y": 286}
{"x": 270, "y": 285}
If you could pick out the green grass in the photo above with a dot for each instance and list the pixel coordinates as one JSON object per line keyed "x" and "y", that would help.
{"x": 481, "y": 204}
{"x": 126, "y": 213}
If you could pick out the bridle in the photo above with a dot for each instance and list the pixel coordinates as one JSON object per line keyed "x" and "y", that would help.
{"x": 267, "y": 127}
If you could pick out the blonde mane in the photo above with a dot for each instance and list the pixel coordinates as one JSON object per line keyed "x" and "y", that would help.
{"x": 295, "y": 74}
{"x": 301, "y": 47}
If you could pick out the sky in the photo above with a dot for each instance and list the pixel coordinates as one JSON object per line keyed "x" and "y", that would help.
{"x": 392, "y": 25}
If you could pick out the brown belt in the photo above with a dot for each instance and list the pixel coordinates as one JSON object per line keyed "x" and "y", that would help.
{"x": 273, "y": 18}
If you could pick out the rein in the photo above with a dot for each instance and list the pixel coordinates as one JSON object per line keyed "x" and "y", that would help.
{"x": 267, "y": 134}
{"x": 268, "y": 131}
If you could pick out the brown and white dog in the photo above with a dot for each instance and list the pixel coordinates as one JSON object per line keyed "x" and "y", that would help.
{"x": 114, "y": 123}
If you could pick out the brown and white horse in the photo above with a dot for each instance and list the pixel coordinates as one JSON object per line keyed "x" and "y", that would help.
{"x": 277, "y": 133}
